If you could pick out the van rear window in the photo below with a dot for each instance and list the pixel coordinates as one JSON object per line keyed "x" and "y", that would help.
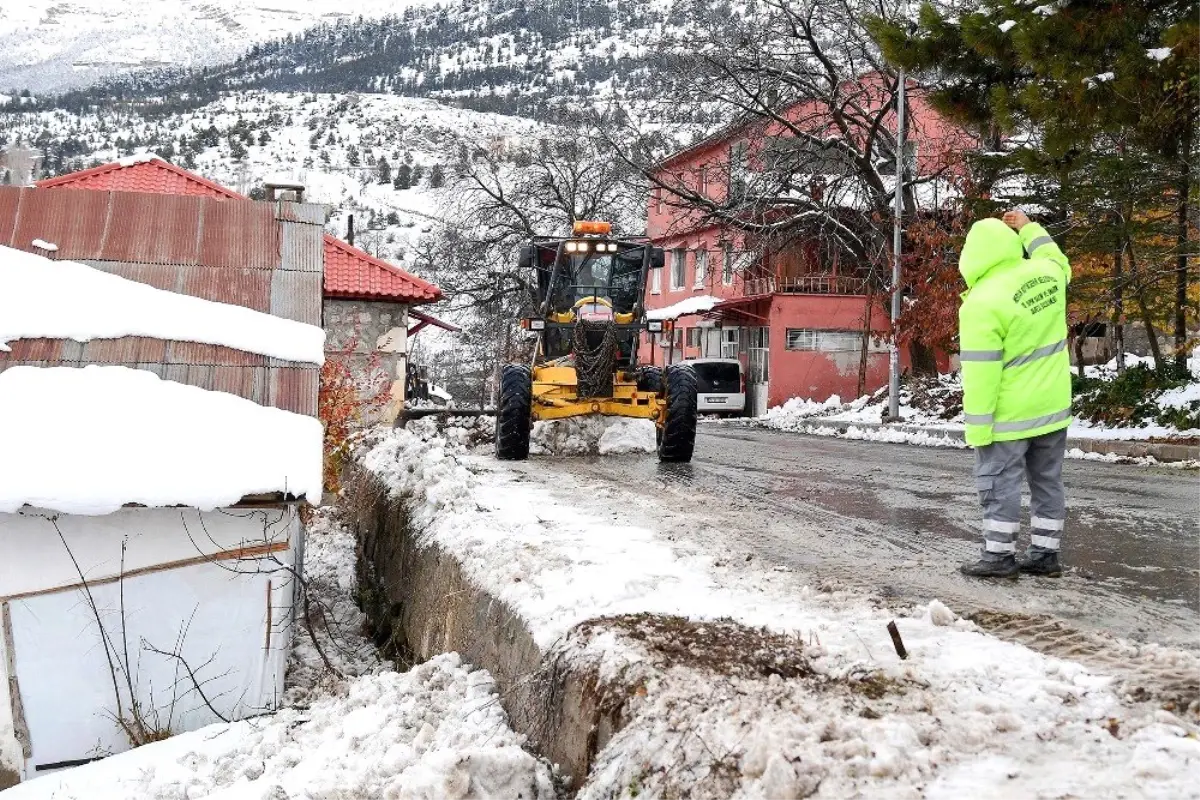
{"x": 718, "y": 378}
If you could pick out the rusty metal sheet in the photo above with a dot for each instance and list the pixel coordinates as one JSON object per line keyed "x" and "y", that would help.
{"x": 296, "y": 296}
{"x": 152, "y": 229}
{"x": 25, "y": 350}
{"x": 161, "y": 276}
{"x": 211, "y": 355}
{"x": 111, "y": 351}
{"x": 294, "y": 389}
{"x": 303, "y": 247}
{"x": 10, "y": 200}
{"x": 311, "y": 213}
{"x": 241, "y": 381}
{"x": 242, "y": 287}
{"x": 239, "y": 234}
{"x": 74, "y": 221}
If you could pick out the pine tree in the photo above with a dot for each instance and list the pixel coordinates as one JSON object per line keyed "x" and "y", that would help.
{"x": 385, "y": 170}
{"x": 437, "y": 177}
{"x": 403, "y": 177}
{"x": 1107, "y": 95}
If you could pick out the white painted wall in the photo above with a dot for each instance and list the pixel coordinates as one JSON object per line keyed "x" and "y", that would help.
{"x": 35, "y": 559}
{"x": 65, "y": 682}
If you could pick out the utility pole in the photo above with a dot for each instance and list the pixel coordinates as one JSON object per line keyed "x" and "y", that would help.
{"x": 897, "y": 230}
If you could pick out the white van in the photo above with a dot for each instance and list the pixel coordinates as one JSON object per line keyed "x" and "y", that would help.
{"x": 722, "y": 385}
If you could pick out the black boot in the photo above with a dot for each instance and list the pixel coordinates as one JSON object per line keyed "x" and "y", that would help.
{"x": 991, "y": 568}
{"x": 1041, "y": 563}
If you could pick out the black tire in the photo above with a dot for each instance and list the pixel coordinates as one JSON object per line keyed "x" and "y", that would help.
{"x": 677, "y": 434}
{"x": 514, "y": 413}
{"x": 650, "y": 379}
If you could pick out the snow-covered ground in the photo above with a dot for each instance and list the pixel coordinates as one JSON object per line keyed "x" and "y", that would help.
{"x": 435, "y": 732}
{"x": 965, "y": 715}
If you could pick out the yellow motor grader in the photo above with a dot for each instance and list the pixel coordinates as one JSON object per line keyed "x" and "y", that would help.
{"x": 590, "y": 314}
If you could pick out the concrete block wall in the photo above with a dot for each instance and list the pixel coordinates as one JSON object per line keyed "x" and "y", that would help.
{"x": 376, "y": 332}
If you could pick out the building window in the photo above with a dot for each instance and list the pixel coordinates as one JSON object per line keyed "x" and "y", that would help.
{"x": 701, "y": 267}
{"x": 678, "y": 268}
{"x": 658, "y": 198}
{"x": 656, "y": 281}
{"x": 704, "y": 181}
{"x": 693, "y": 336}
{"x": 738, "y": 168}
{"x": 731, "y": 342}
{"x": 727, "y": 266}
{"x": 829, "y": 341}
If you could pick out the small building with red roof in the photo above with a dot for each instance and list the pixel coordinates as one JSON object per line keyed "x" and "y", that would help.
{"x": 368, "y": 305}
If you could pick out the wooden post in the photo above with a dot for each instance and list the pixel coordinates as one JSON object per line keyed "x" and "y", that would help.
{"x": 20, "y": 727}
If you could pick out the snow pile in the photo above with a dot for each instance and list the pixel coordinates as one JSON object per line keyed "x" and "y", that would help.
{"x": 87, "y": 441}
{"x": 435, "y": 732}
{"x": 691, "y": 305}
{"x": 1182, "y": 397}
{"x": 40, "y": 298}
{"x": 337, "y": 634}
{"x": 1159, "y": 53}
{"x": 578, "y": 436}
{"x": 966, "y": 715}
{"x": 1007, "y": 25}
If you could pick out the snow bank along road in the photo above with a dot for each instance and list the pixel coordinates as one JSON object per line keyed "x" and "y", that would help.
{"x": 602, "y": 559}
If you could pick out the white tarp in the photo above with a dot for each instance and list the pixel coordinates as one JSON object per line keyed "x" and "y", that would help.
{"x": 41, "y": 298}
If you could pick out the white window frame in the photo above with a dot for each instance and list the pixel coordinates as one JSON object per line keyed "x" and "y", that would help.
{"x": 727, "y": 265}
{"x": 656, "y": 281}
{"x": 731, "y": 342}
{"x": 701, "y": 261}
{"x": 678, "y": 278}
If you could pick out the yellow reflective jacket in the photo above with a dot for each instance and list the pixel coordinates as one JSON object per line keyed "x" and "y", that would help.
{"x": 1013, "y": 334}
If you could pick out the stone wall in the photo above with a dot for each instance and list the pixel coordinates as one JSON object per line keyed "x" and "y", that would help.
{"x": 376, "y": 336}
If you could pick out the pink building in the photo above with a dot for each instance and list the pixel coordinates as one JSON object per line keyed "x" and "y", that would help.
{"x": 795, "y": 315}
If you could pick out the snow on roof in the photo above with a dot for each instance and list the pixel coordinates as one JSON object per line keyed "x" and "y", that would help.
{"x": 40, "y": 298}
{"x": 42, "y": 244}
{"x": 139, "y": 158}
{"x": 144, "y": 440}
{"x": 692, "y": 305}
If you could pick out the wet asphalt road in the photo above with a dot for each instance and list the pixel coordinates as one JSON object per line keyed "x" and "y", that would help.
{"x": 897, "y": 520}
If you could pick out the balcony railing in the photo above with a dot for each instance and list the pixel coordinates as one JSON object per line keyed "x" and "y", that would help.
{"x": 807, "y": 284}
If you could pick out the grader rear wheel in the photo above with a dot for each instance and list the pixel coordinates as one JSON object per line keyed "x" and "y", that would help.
{"x": 677, "y": 434}
{"x": 514, "y": 413}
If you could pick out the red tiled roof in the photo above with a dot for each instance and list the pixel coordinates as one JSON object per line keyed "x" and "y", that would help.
{"x": 152, "y": 176}
{"x": 350, "y": 273}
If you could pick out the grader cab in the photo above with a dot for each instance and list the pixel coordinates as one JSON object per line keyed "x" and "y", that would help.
{"x": 590, "y": 313}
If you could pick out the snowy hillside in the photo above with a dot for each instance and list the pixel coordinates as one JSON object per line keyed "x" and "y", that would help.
{"x": 49, "y": 45}
{"x": 514, "y": 56}
{"x": 381, "y": 158}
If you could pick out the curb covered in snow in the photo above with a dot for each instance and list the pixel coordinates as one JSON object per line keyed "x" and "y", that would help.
{"x": 1165, "y": 452}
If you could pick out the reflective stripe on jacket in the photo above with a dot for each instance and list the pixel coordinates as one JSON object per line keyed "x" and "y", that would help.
{"x": 1013, "y": 334}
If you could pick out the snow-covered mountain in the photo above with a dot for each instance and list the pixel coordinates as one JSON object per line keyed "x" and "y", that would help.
{"x": 49, "y": 45}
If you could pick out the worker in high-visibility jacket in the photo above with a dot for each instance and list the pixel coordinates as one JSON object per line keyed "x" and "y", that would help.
{"x": 1016, "y": 373}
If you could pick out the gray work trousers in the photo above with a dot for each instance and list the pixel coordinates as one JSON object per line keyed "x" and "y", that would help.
{"x": 998, "y": 470}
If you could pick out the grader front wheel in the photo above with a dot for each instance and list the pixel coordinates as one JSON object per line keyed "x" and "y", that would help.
{"x": 514, "y": 413}
{"x": 677, "y": 433}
